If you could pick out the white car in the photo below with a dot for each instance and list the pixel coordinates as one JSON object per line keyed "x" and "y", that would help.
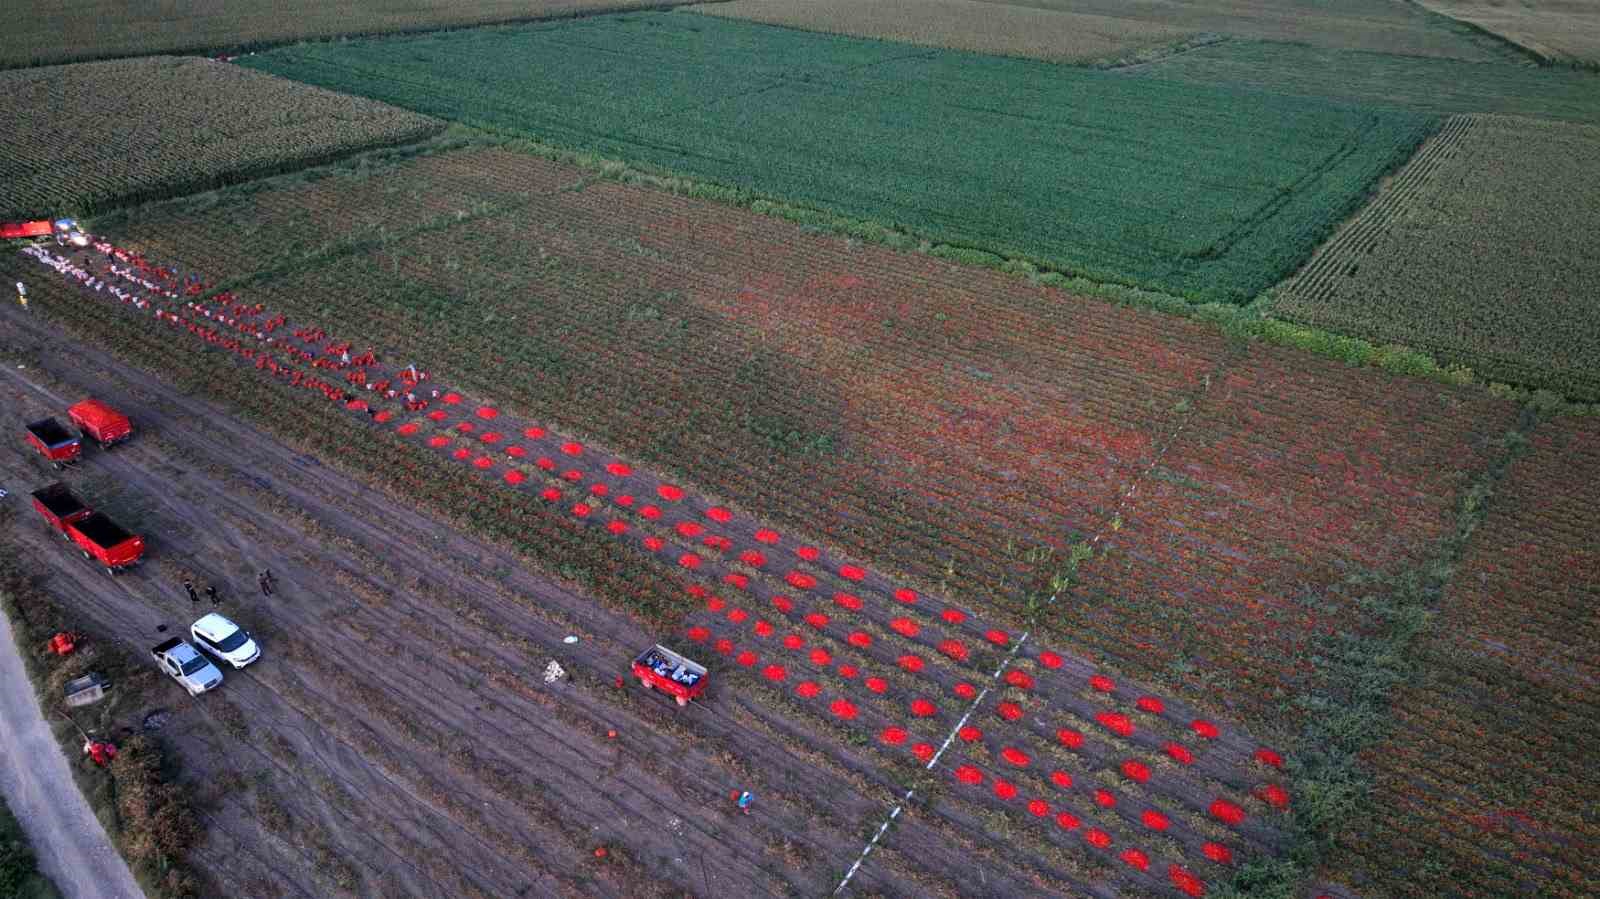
{"x": 227, "y": 641}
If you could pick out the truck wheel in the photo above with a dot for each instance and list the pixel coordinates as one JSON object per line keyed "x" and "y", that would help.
{"x": 683, "y": 701}
{"x": 86, "y": 554}
{"x": 645, "y": 683}
{"x": 111, "y": 571}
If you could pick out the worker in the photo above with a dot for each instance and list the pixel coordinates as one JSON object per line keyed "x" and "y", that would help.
{"x": 22, "y": 294}
{"x": 188, "y": 587}
{"x": 745, "y": 799}
{"x": 211, "y": 594}
{"x": 265, "y": 580}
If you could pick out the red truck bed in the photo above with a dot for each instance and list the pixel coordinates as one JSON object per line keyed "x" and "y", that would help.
{"x": 53, "y": 441}
{"x": 104, "y": 541}
{"x": 100, "y": 422}
{"x": 59, "y": 506}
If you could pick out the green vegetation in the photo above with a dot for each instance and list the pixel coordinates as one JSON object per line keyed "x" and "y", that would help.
{"x": 1434, "y": 86}
{"x": 137, "y": 799}
{"x": 1209, "y": 193}
{"x": 19, "y": 870}
{"x": 1484, "y": 252}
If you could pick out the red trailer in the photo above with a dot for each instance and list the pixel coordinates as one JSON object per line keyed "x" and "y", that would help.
{"x": 13, "y": 230}
{"x": 105, "y": 542}
{"x": 54, "y": 442}
{"x": 659, "y": 668}
{"x": 59, "y": 506}
{"x": 100, "y": 423}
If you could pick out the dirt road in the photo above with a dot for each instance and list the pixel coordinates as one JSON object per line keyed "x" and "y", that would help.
{"x": 72, "y": 847}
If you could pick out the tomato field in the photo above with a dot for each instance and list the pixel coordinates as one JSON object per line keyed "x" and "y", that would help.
{"x": 82, "y": 139}
{"x": 906, "y": 136}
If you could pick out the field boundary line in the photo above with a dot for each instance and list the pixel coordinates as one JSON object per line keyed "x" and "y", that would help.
{"x": 1122, "y": 503}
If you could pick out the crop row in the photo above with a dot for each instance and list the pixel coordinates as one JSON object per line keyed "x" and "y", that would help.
{"x": 900, "y": 134}
{"x": 1481, "y": 252}
{"x": 84, "y": 138}
{"x": 1487, "y": 785}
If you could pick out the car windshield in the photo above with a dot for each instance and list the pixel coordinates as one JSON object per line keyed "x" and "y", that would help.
{"x": 233, "y": 641}
{"x": 194, "y": 665}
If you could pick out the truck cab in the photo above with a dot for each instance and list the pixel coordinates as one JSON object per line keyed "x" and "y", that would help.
{"x": 186, "y": 666}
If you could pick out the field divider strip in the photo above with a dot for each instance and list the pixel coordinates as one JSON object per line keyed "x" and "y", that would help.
{"x": 1127, "y": 495}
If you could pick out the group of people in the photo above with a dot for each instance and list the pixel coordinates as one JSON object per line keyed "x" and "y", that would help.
{"x": 264, "y": 580}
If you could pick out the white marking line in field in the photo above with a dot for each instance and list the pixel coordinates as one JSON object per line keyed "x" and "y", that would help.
{"x": 949, "y": 738}
{"x": 1122, "y": 503}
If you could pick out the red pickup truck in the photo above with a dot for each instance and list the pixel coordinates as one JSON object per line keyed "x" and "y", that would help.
{"x": 105, "y": 542}
{"x": 101, "y": 423}
{"x": 60, "y": 507}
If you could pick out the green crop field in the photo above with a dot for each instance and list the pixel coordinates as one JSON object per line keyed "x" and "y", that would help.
{"x": 1435, "y": 86}
{"x": 1195, "y": 190}
{"x": 1484, "y": 251}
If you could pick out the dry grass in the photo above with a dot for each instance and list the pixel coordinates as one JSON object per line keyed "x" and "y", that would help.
{"x": 1054, "y": 35}
{"x": 74, "y": 30}
{"x": 1560, "y": 31}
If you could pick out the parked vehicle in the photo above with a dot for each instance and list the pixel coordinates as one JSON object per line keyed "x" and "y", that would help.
{"x": 100, "y": 423}
{"x": 659, "y": 668}
{"x": 187, "y": 666}
{"x": 16, "y": 230}
{"x": 60, "y": 507}
{"x": 216, "y": 635}
{"x": 104, "y": 541}
{"x": 54, "y": 442}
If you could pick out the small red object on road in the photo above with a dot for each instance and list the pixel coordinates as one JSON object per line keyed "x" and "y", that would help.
{"x": 600, "y": 852}
{"x": 612, "y": 734}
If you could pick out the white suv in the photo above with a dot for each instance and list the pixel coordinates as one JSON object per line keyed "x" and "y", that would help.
{"x": 227, "y": 641}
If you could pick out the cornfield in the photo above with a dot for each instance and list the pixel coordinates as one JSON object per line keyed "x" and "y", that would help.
{"x": 86, "y": 137}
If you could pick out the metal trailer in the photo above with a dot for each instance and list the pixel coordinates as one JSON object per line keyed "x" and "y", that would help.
{"x": 60, "y": 507}
{"x": 54, "y": 442}
{"x": 100, "y": 422}
{"x": 105, "y": 542}
{"x": 659, "y": 668}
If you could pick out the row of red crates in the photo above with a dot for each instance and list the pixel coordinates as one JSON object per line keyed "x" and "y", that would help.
{"x": 100, "y": 539}
{"x": 94, "y": 419}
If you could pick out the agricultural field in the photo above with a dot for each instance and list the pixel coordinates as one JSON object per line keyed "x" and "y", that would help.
{"x": 840, "y": 677}
{"x": 80, "y": 139}
{"x": 1401, "y": 29}
{"x": 1557, "y": 31}
{"x": 1480, "y": 251}
{"x": 908, "y": 137}
{"x": 1375, "y": 80}
{"x": 1487, "y": 785}
{"x": 79, "y": 30}
{"x": 1004, "y": 29}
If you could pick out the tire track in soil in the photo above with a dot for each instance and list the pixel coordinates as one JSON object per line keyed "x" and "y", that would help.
{"x": 231, "y": 440}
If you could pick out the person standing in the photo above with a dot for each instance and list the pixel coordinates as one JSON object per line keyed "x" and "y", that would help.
{"x": 211, "y": 594}
{"x": 188, "y": 587}
{"x": 265, "y": 580}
